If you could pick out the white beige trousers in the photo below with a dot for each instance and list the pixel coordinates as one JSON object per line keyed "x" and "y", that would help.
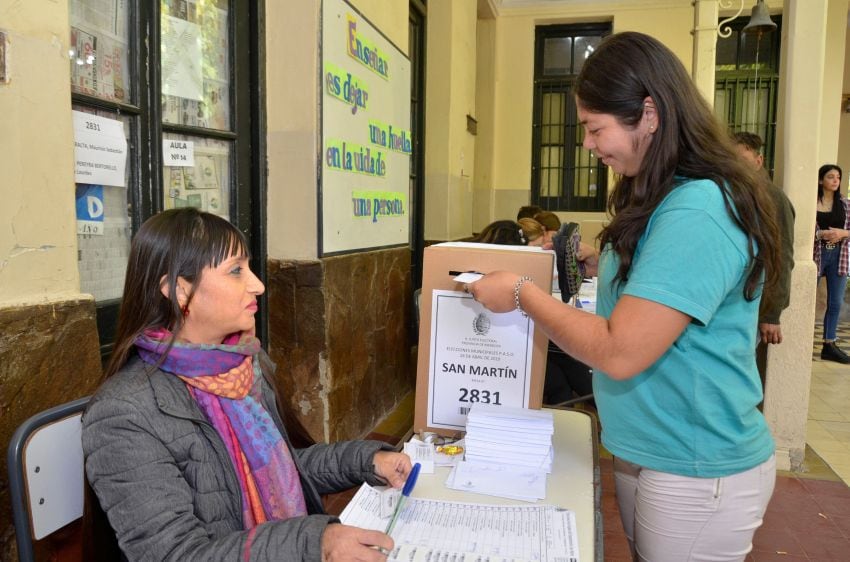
{"x": 671, "y": 518}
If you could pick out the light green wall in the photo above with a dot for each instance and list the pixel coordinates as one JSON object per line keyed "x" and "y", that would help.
{"x": 38, "y": 242}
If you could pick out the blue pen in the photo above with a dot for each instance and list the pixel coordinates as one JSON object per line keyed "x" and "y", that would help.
{"x": 405, "y": 493}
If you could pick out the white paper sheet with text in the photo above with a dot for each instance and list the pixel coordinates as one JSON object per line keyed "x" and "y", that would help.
{"x": 470, "y": 531}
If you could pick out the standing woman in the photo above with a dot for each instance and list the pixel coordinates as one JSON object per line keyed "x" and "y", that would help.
{"x": 832, "y": 253}
{"x": 680, "y": 276}
{"x": 184, "y": 442}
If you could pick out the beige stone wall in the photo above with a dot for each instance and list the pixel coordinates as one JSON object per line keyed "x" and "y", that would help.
{"x": 49, "y": 355}
{"x": 341, "y": 333}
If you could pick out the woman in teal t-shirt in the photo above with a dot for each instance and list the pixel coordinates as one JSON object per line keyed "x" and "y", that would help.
{"x": 684, "y": 258}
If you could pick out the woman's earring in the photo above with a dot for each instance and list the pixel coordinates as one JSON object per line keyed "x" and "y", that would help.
{"x": 185, "y": 310}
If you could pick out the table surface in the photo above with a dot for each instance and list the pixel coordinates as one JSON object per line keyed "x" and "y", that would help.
{"x": 573, "y": 484}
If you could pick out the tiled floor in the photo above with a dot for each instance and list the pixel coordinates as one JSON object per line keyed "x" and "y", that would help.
{"x": 808, "y": 518}
{"x": 828, "y": 431}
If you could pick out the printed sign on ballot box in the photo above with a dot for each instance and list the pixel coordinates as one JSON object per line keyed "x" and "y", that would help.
{"x": 477, "y": 357}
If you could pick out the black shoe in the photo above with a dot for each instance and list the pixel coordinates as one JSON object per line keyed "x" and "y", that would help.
{"x": 831, "y": 352}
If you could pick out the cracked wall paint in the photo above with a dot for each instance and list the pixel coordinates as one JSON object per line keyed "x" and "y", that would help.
{"x": 38, "y": 257}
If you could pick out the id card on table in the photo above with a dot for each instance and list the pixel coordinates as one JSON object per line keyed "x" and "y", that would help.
{"x": 477, "y": 356}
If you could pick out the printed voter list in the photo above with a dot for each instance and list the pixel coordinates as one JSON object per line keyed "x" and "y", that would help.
{"x": 100, "y": 150}
{"x": 477, "y": 357}
{"x": 462, "y": 531}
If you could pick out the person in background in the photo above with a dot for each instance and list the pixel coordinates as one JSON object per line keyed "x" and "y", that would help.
{"x": 832, "y": 254}
{"x": 684, "y": 258}
{"x": 588, "y": 257}
{"x": 184, "y": 443}
{"x": 527, "y": 212}
{"x": 550, "y": 222}
{"x": 776, "y": 298}
{"x": 532, "y": 231}
{"x": 502, "y": 232}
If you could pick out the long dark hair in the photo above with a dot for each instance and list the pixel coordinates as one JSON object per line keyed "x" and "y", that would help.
{"x": 502, "y": 232}
{"x": 171, "y": 244}
{"x": 616, "y": 79}
{"x": 824, "y": 170}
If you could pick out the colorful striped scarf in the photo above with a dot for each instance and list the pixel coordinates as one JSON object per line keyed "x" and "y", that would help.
{"x": 224, "y": 381}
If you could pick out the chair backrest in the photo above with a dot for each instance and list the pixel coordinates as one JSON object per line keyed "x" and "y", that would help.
{"x": 46, "y": 477}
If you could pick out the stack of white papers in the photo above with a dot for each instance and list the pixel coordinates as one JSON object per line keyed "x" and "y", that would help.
{"x": 512, "y": 436}
{"x": 508, "y": 453}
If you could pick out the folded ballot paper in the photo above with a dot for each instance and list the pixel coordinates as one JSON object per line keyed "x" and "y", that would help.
{"x": 508, "y": 453}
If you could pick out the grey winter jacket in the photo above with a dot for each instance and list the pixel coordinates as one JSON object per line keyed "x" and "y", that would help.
{"x": 163, "y": 476}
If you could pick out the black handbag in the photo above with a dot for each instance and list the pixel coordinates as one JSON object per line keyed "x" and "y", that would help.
{"x": 570, "y": 275}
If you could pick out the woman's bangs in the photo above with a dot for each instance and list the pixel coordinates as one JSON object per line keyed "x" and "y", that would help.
{"x": 225, "y": 241}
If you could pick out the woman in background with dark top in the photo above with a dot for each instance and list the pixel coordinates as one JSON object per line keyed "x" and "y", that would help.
{"x": 832, "y": 254}
{"x": 185, "y": 444}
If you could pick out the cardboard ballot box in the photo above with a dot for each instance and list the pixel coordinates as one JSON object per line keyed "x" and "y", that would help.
{"x": 467, "y": 354}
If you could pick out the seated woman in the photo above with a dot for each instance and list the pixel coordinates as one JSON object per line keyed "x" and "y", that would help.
{"x": 533, "y": 231}
{"x": 185, "y": 445}
{"x": 502, "y": 232}
{"x": 551, "y": 223}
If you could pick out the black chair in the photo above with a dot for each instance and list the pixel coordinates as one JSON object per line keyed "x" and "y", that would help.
{"x": 46, "y": 480}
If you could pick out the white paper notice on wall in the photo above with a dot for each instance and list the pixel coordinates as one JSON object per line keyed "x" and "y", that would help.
{"x": 182, "y": 74}
{"x": 100, "y": 150}
{"x": 178, "y": 153}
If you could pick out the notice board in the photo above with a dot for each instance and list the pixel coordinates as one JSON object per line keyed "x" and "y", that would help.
{"x": 467, "y": 354}
{"x": 366, "y": 138}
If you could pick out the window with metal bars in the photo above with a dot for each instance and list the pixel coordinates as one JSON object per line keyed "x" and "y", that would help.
{"x": 564, "y": 176}
{"x": 747, "y": 84}
{"x": 173, "y": 71}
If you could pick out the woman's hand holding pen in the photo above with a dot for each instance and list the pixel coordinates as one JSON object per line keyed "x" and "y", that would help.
{"x": 344, "y": 542}
{"x": 392, "y": 467}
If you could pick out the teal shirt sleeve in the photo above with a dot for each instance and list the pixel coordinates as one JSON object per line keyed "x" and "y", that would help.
{"x": 691, "y": 254}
